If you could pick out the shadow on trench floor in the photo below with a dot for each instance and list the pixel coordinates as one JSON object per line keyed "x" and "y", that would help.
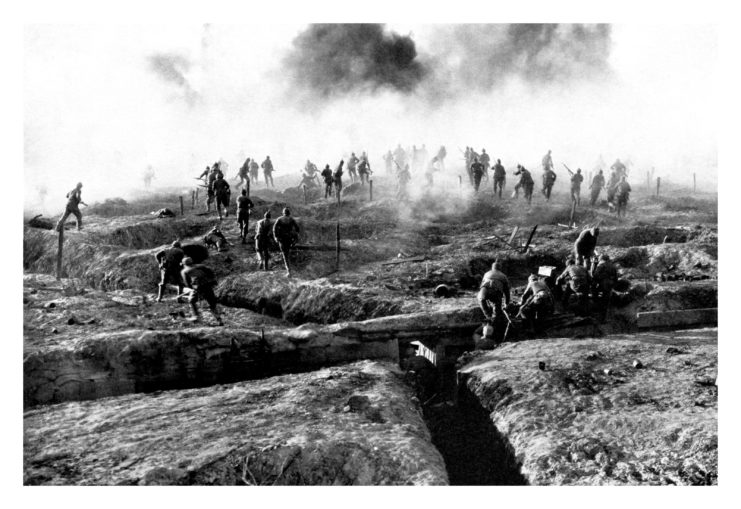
{"x": 475, "y": 453}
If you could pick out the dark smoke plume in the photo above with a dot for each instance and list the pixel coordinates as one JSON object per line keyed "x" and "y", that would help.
{"x": 335, "y": 59}
{"x": 171, "y": 68}
{"x": 483, "y": 56}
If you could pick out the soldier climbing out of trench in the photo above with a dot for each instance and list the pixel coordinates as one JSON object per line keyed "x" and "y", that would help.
{"x": 549, "y": 178}
{"x": 576, "y": 180}
{"x": 621, "y": 195}
{"x": 537, "y": 303}
{"x": 604, "y": 278}
{"x": 576, "y": 281}
{"x": 262, "y": 240}
{"x": 500, "y": 176}
{"x": 598, "y": 182}
{"x": 285, "y": 232}
{"x": 494, "y": 290}
{"x": 584, "y": 247}
{"x": 328, "y": 180}
{"x": 200, "y": 281}
{"x": 74, "y": 200}
{"x": 169, "y": 261}
{"x": 244, "y": 206}
{"x": 223, "y": 193}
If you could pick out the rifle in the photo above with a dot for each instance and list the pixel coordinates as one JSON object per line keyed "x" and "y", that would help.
{"x": 569, "y": 170}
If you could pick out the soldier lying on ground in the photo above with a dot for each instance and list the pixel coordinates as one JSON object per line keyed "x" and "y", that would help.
{"x": 215, "y": 238}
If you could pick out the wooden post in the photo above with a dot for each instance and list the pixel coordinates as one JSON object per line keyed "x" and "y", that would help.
{"x": 694, "y": 182}
{"x": 197, "y": 188}
{"x": 573, "y": 212}
{"x": 658, "y": 185}
{"x": 248, "y": 188}
{"x": 192, "y": 200}
{"x": 304, "y": 186}
{"x": 339, "y": 207}
{"x": 182, "y": 207}
{"x": 59, "y": 252}
{"x": 648, "y": 180}
{"x": 460, "y": 183}
{"x": 370, "y": 184}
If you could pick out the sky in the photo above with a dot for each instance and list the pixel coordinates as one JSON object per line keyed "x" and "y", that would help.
{"x": 96, "y": 110}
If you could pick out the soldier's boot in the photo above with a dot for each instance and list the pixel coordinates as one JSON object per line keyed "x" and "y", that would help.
{"x": 160, "y": 291}
{"x": 180, "y": 293}
{"x": 217, "y": 316}
{"x": 196, "y": 314}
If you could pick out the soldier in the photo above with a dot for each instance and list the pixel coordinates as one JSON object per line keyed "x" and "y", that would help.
{"x": 584, "y": 246}
{"x": 351, "y": 167}
{"x": 328, "y": 178}
{"x": 404, "y": 177}
{"x": 254, "y": 171}
{"x": 604, "y": 277}
{"x": 423, "y": 156}
{"x": 500, "y": 176}
{"x": 262, "y": 240}
{"x": 493, "y": 290}
{"x": 169, "y": 260}
{"x": 215, "y": 238}
{"x": 211, "y": 179}
{"x": 485, "y": 160}
{"x": 549, "y": 178}
{"x": 244, "y": 173}
{"x": 537, "y": 302}
{"x": 598, "y": 182}
{"x": 364, "y": 170}
{"x": 612, "y": 184}
{"x": 74, "y": 200}
{"x": 619, "y": 168}
{"x": 201, "y": 282}
{"x": 388, "y": 160}
{"x": 337, "y": 178}
{"x": 477, "y": 171}
{"x": 576, "y": 180}
{"x": 285, "y": 232}
{"x": 400, "y": 156}
{"x": 547, "y": 161}
{"x": 415, "y": 159}
{"x": 267, "y": 169}
{"x": 244, "y": 206}
{"x": 441, "y": 154}
{"x": 429, "y": 172}
{"x": 148, "y": 176}
{"x": 622, "y": 194}
{"x": 526, "y": 183}
{"x": 576, "y": 280}
{"x": 223, "y": 193}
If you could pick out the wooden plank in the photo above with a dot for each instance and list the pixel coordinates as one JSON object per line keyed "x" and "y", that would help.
{"x": 678, "y": 317}
{"x": 405, "y": 260}
{"x": 512, "y": 237}
{"x": 530, "y": 239}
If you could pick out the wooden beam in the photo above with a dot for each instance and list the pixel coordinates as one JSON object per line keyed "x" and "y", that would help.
{"x": 678, "y": 317}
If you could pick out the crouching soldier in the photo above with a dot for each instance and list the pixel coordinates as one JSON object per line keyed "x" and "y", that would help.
{"x": 262, "y": 240}
{"x": 244, "y": 205}
{"x": 604, "y": 278}
{"x": 285, "y": 232}
{"x": 493, "y": 290}
{"x": 577, "y": 281}
{"x": 584, "y": 246}
{"x": 200, "y": 281}
{"x": 215, "y": 238}
{"x": 537, "y": 302}
{"x": 169, "y": 260}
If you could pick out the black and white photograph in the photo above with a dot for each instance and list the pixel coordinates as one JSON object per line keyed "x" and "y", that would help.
{"x": 370, "y": 250}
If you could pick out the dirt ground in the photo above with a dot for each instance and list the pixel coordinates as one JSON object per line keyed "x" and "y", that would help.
{"x": 393, "y": 255}
{"x": 337, "y": 426}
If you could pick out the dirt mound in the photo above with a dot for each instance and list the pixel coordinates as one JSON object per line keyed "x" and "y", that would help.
{"x": 289, "y": 430}
{"x": 592, "y": 418}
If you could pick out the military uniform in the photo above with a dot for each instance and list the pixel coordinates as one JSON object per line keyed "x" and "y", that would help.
{"x": 477, "y": 171}
{"x": 364, "y": 171}
{"x": 202, "y": 281}
{"x": 493, "y": 290}
{"x": 526, "y": 183}
{"x": 584, "y": 246}
{"x": 169, "y": 262}
{"x": 351, "y": 167}
{"x": 622, "y": 194}
{"x": 74, "y": 198}
{"x": 222, "y": 192}
{"x": 598, "y": 182}
{"x": 549, "y": 178}
{"x": 254, "y": 171}
{"x": 500, "y": 176}
{"x": 577, "y": 282}
{"x": 263, "y": 229}
{"x": 244, "y": 204}
{"x": 328, "y": 179}
{"x": 576, "y": 180}
{"x": 267, "y": 169}
{"x": 285, "y": 232}
{"x": 337, "y": 179}
{"x": 537, "y": 301}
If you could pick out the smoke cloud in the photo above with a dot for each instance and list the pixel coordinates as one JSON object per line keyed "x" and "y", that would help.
{"x": 331, "y": 60}
{"x": 172, "y": 68}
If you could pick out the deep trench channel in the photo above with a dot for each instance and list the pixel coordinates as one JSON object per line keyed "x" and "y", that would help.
{"x": 475, "y": 452}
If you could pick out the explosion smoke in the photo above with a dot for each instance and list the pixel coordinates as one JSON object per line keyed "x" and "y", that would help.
{"x": 342, "y": 58}
{"x": 172, "y": 68}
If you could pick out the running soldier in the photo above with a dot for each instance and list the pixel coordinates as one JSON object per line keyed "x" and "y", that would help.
{"x": 622, "y": 195}
{"x": 337, "y": 178}
{"x": 223, "y": 193}
{"x": 200, "y": 280}
{"x": 485, "y": 160}
{"x": 598, "y": 182}
{"x": 352, "y": 163}
{"x": 254, "y": 171}
{"x": 388, "y": 160}
{"x": 244, "y": 206}
{"x": 267, "y": 169}
{"x": 169, "y": 260}
{"x": 477, "y": 171}
{"x": 526, "y": 183}
{"x": 619, "y": 168}
{"x": 549, "y": 178}
{"x": 441, "y": 154}
{"x": 285, "y": 232}
{"x": 612, "y": 185}
{"x": 364, "y": 170}
{"x": 328, "y": 179}
{"x": 404, "y": 177}
{"x": 547, "y": 161}
{"x": 500, "y": 177}
{"x": 74, "y": 200}
{"x": 244, "y": 173}
{"x": 262, "y": 240}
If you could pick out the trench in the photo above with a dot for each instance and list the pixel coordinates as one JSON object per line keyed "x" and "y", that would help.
{"x": 475, "y": 452}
